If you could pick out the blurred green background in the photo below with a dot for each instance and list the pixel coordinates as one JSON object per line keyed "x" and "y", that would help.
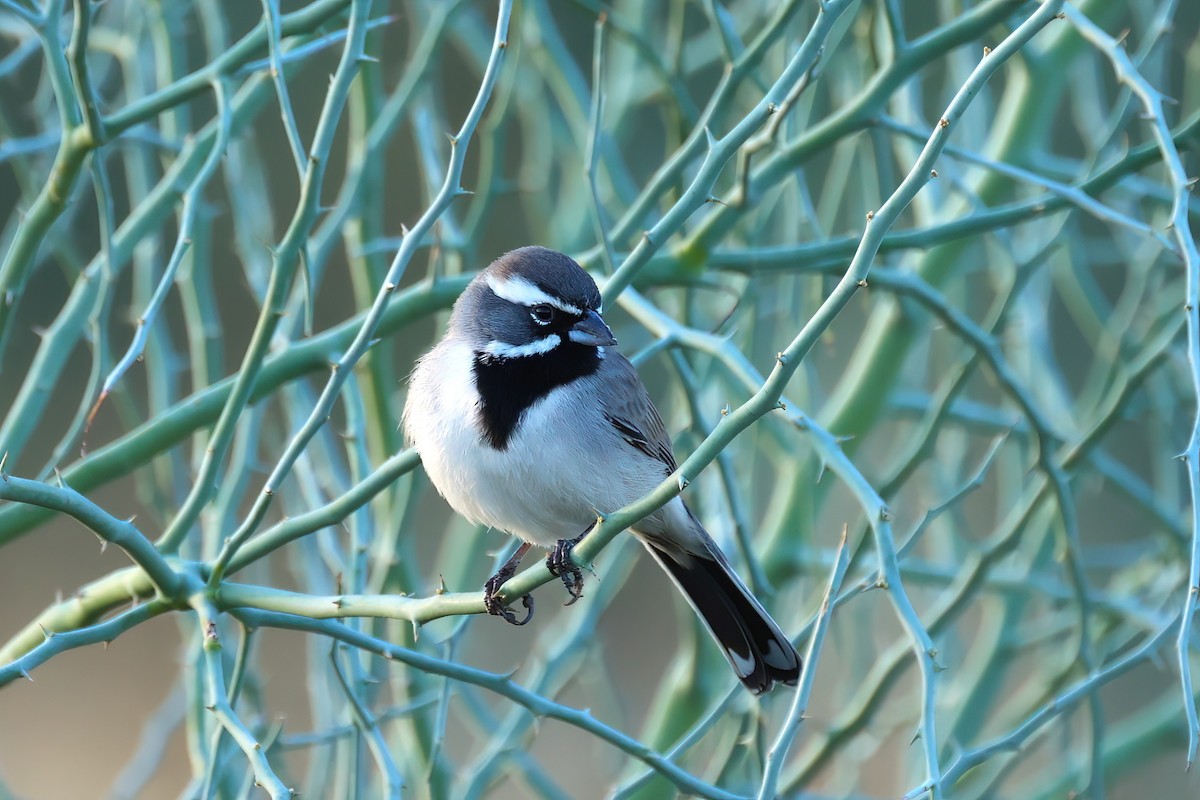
{"x": 1013, "y": 381}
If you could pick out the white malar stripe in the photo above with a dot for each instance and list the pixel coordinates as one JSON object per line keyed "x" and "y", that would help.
{"x": 526, "y": 293}
{"x": 534, "y": 348}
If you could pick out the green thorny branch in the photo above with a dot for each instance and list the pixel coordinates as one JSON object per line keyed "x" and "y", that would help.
{"x": 563, "y": 157}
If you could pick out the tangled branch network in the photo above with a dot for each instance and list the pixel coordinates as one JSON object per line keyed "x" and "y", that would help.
{"x": 915, "y": 285}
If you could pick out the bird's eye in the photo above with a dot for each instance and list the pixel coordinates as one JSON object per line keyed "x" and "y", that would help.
{"x": 542, "y": 314}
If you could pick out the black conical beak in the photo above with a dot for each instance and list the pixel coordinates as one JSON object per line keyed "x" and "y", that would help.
{"x": 592, "y": 331}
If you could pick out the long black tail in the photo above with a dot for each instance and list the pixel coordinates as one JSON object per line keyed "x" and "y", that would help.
{"x": 756, "y": 648}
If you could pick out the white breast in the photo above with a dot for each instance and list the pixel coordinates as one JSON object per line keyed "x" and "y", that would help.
{"x": 564, "y": 464}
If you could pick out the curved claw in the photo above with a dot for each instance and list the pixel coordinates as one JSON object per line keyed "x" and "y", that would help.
{"x": 491, "y": 602}
{"x": 491, "y": 590}
{"x": 560, "y": 563}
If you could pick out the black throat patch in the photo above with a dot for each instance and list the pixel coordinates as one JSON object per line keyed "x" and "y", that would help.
{"x": 509, "y": 386}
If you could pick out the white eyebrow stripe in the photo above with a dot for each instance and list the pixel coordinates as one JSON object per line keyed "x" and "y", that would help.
{"x": 525, "y": 292}
{"x": 534, "y": 348}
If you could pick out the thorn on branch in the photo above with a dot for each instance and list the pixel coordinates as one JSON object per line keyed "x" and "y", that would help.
{"x": 870, "y": 216}
{"x": 987, "y": 51}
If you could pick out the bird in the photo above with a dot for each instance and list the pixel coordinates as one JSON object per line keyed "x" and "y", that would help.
{"x": 527, "y": 420}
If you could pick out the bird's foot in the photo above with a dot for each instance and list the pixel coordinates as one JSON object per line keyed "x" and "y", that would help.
{"x": 491, "y": 590}
{"x": 560, "y": 563}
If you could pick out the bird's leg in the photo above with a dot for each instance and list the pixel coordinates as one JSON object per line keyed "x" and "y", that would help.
{"x": 560, "y": 563}
{"x": 490, "y": 590}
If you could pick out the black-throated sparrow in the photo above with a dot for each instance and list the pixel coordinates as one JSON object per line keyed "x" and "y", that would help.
{"x": 526, "y": 422}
